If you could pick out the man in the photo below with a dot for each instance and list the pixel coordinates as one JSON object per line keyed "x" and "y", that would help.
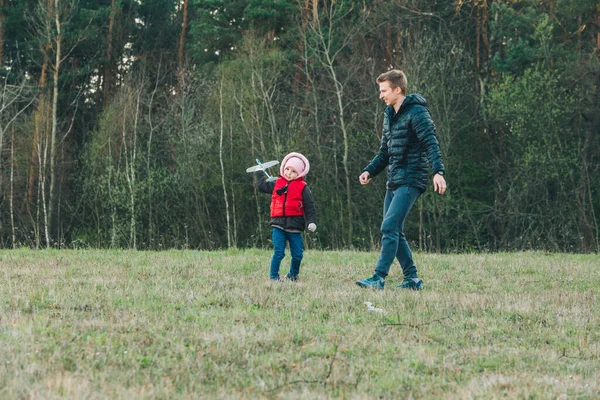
{"x": 408, "y": 141}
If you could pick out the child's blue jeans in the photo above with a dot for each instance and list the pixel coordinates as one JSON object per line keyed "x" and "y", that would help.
{"x": 296, "y": 249}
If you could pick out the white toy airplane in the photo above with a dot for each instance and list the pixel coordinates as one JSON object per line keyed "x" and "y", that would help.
{"x": 263, "y": 167}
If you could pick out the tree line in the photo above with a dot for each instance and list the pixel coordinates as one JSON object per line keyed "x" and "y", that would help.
{"x": 130, "y": 123}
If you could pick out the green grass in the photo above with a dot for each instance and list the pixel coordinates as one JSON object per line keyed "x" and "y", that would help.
{"x": 188, "y": 324}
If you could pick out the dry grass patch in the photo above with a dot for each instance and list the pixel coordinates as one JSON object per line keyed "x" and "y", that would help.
{"x": 180, "y": 324}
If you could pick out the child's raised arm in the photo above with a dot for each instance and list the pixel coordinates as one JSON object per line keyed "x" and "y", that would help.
{"x": 263, "y": 185}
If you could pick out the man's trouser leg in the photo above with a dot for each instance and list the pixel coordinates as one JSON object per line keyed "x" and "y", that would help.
{"x": 396, "y": 207}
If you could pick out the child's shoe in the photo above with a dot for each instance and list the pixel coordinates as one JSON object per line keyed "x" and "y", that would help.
{"x": 374, "y": 282}
{"x": 411, "y": 283}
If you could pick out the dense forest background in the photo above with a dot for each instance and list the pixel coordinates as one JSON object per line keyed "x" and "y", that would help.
{"x": 130, "y": 123}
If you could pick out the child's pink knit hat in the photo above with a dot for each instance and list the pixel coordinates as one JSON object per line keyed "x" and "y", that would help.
{"x": 298, "y": 162}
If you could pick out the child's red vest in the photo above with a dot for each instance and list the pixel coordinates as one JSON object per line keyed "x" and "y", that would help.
{"x": 289, "y": 202}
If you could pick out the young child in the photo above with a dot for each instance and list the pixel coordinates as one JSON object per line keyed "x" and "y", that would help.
{"x": 292, "y": 206}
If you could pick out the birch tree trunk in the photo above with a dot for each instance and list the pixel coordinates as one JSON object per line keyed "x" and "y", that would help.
{"x": 12, "y": 188}
{"x": 148, "y": 157}
{"x": 42, "y": 162}
{"x": 107, "y": 80}
{"x": 222, "y": 128}
{"x": 2, "y": 18}
{"x": 182, "y": 45}
{"x": 231, "y": 159}
{"x": 113, "y": 209}
{"x": 53, "y": 138}
{"x": 130, "y": 155}
{"x": 40, "y": 121}
{"x": 132, "y": 181}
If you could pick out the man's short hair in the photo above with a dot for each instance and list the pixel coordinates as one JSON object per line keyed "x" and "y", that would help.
{"x": 396, "y": 78}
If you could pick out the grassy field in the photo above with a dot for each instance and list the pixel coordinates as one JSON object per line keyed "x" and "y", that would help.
{"x": 188, "y": 324}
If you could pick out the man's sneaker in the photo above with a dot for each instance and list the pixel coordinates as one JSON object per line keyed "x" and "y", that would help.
{"x": 374, "y": 282}
{"x": 411, "y": 283}
{"x": 292, "y": 278}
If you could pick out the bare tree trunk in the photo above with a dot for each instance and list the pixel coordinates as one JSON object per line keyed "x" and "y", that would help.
{"x": 579, "y": 23}
{"x": 234, "y": 223}
{"x": 108, "y": 66}
{"x": 148, "y": 157}
{"x": 42, "y": 161}
{"x": 12, "y": 188}
{"x": 132, "y": 169}
{"x": 40, "y": 140}
{"x": 182, "y": 44}
{"x": 477, "y": 39}
{"x": 41, "y": 124}
{"x": 113, "y": 210}
{"x": 37, "y": 227}
{"x": 130, "y": 161}
{"x": 39, "y": 120}
{"x": 53, "y": 138}
{"x": 337, "y": 203}
{"x": 2, "y": 18}
{"x": 305, "y": 13}
{"x": 484, "y": 30}
{"x": 32, "y": 164}
{"x": 222, "y": 166}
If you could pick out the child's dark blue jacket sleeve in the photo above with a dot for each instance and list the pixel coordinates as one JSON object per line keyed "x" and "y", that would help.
{"x": 262, "y": 184}
{"x": 310, "y": 212}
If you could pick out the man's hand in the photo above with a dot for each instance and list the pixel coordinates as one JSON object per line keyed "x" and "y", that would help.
{"x": 439, "y": 184}
{"x": 364, "y": 178}
{"x": 312, "y": 227}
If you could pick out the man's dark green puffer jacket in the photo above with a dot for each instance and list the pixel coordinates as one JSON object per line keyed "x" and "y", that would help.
{"x": 408, "y": 140}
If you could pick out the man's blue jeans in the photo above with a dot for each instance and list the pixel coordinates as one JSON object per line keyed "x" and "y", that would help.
{"x": 279, "y": 238}
{"x": 396, "y": 206}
